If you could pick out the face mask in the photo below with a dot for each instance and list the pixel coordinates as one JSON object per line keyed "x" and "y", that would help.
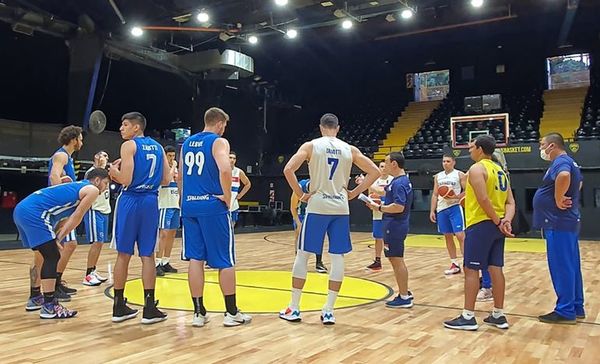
{"x": 545, "y": 156}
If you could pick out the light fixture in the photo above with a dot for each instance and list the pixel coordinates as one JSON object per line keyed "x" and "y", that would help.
{"x": 203, "y": 17}
{"x": 477, "y": 3}
{"x": 406, "y": 14}
{"x": 253, "y": 39}
{"x": 291, "y": 33}
{"x": 347, "y": 24}
{"x": 137, "y": 31}
{"x": 281, "y": 2}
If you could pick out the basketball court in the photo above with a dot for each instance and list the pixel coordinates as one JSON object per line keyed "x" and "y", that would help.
{"x": 365, "y": 332}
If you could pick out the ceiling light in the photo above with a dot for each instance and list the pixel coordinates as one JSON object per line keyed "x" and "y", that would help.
{"x": 406, "y": 14}
{"x": 281, "y": 2}
{"x": 477, "y": 3}
{"x": 253, "y": 39}
{"x": 326, "y": 4}
{"x": 347, "y": 24}
{"x": 203, "y": 17}
{"x": 137, "y": 31}
{"x": 291, "y": 33}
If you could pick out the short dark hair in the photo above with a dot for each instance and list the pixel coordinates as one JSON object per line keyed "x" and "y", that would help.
{"x": 137, "y": 118}
{"x": 449, "y": 156}
{"x": 214, "y": 115}
{"x": 397, "y": 157}
{"x": 170, "y": 149}
{"x": 555, "y": 138}
{"x": 487, "y": 143}
{"x": 329, "y": 121}
{"x": 97, "y": 173}
{"x": 232, "y": 152}
{"x": 69, "y": 133}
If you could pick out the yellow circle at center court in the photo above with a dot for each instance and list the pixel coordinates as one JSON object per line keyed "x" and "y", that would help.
{"x": 258, "y": 292}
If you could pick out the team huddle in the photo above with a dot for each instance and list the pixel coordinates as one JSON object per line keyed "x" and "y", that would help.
{"x": 202, "y": 190}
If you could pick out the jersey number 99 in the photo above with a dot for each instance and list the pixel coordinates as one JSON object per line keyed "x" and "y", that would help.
{"x": 192, "y": 160}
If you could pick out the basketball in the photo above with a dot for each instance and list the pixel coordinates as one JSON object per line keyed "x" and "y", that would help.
{"x": 444, "y": 191}
{"x": 65, "y": 179}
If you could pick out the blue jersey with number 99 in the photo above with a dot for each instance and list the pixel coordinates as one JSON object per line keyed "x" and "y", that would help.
{"x": 200, "y": 177}
{"x": 147, "y": 166}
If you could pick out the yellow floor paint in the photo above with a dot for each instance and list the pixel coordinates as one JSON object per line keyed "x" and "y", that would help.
{"x": 525, "y": 245}
{"x": 258, "y": 292}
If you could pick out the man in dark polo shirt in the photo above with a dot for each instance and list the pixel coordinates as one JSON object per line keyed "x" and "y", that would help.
{"x": 556, "y": 213}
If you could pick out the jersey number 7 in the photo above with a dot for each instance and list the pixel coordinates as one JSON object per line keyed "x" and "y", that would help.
{"x": 334, "y": 163}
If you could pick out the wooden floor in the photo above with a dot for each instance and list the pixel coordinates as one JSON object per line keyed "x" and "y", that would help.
{"x": 364, "y": 334}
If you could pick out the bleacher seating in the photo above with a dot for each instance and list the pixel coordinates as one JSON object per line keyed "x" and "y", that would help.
{"x": 589, "y": 127}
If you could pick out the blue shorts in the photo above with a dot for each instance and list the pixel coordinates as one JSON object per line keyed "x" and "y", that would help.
{"x": 169, "y": 219}
{"x": 235, "y": 215}
{"x": 96, "y": 226}
{"x": 313, "y": 232}
{"x": 484, "y": 246}
{"x": 378, "y": 229}
{"x": 136, "y": 222}
{"x": 394, "y": 234}
{"x": 33, "y": 230}
{"x": 451, "y": 220}
{"x": 209, "y": 238}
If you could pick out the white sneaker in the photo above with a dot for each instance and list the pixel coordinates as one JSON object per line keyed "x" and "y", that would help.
{"x": 454, "y": 269}
{"x": 235, "y": 320}
{"x": 290, "y": 314}
{"x": 99, "y": 277}
{"x": 200, "y": 320}
{"x": 327, "y": 317}
{"x": 91, "y": 280}
{"x": 485, "y": 295}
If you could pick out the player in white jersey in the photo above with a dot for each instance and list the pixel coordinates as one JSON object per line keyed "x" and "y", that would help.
{"x": 169, "y": 217}
{"x": 447, "y": 212}
{"x": 96, "y": 225}
{"x": 376, "y": 193}
{"x": 238, "y": 178}
{"x": 329, "y": 163}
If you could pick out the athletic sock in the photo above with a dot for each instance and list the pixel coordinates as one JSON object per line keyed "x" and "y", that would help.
{"x": 199, "y": 305}
{"x": 407, "y": 297}
{"x": 319, "y": 258}
{"x": 378, "y": 259}
{"x": 454, "y": 261}
{"x": 165, "y": 260}
{"x": 497, "y": 312}
{"x": 88, "y": 271}
{"x": 331, "y": 297}
{"x": 48, "y": 297}
{"x": 119, "y": 299}
{"x": 157, "y": 261}
{"x": 58, "y": 280}
{"x": 148, "y": 297}
{"x": 466, "y": 314}
{"x": 230, "y": 305}
{"x": 35, "y": 291}
{"x": 296, "y": 293}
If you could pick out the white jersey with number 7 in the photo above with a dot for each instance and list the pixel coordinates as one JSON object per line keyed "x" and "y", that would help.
{"x": 329, "y": 168}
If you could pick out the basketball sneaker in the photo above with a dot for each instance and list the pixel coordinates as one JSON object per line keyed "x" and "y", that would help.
{"x": 199, "y": 320}
{"x": 398, "y": 302}
{"x": 152, "y": 314}
{"x": 34, "y": 303}
{"x": 554, "y": 318}
{"x": 485, "y": 295}
{"x": 99, "y": 277}
{"x": 290, "y": 314}
{"x": 454, "y": 269}
{"x": 327, "y": 317}
{"x": 91, "y": 280}
{"x": 122, "y": 312}
{"x": 461, "y": 323}
{"x": 499, "y": 322}
{"x": 320, "y": 268}
{"x": 375, "y": 266}
{"x": 159, "y": 271}
{"x": 239, "y": 318}
{"x": 63, "y": 286}
{"x": 55, "y": 310}
{"x": 410, "y": 296}
{"x": 61, "y": 295}
{"x": 168, "y": 268}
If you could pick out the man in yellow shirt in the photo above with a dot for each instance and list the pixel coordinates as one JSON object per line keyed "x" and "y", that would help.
{"x": 489, "y": 210}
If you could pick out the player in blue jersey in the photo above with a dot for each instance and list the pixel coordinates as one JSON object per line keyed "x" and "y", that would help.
{"x": 61, "y": 169}
{"x": 205, "y": 177}
{"x": 169, "y": 221}
{"x": 141, "y": 170}
{"x": 36, "y": 218}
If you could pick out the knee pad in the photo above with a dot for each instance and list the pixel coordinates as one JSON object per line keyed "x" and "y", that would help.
{"x": 336, "y": 273}
{"x": 300, "y": 264}
{"x": 51, "y": 256}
